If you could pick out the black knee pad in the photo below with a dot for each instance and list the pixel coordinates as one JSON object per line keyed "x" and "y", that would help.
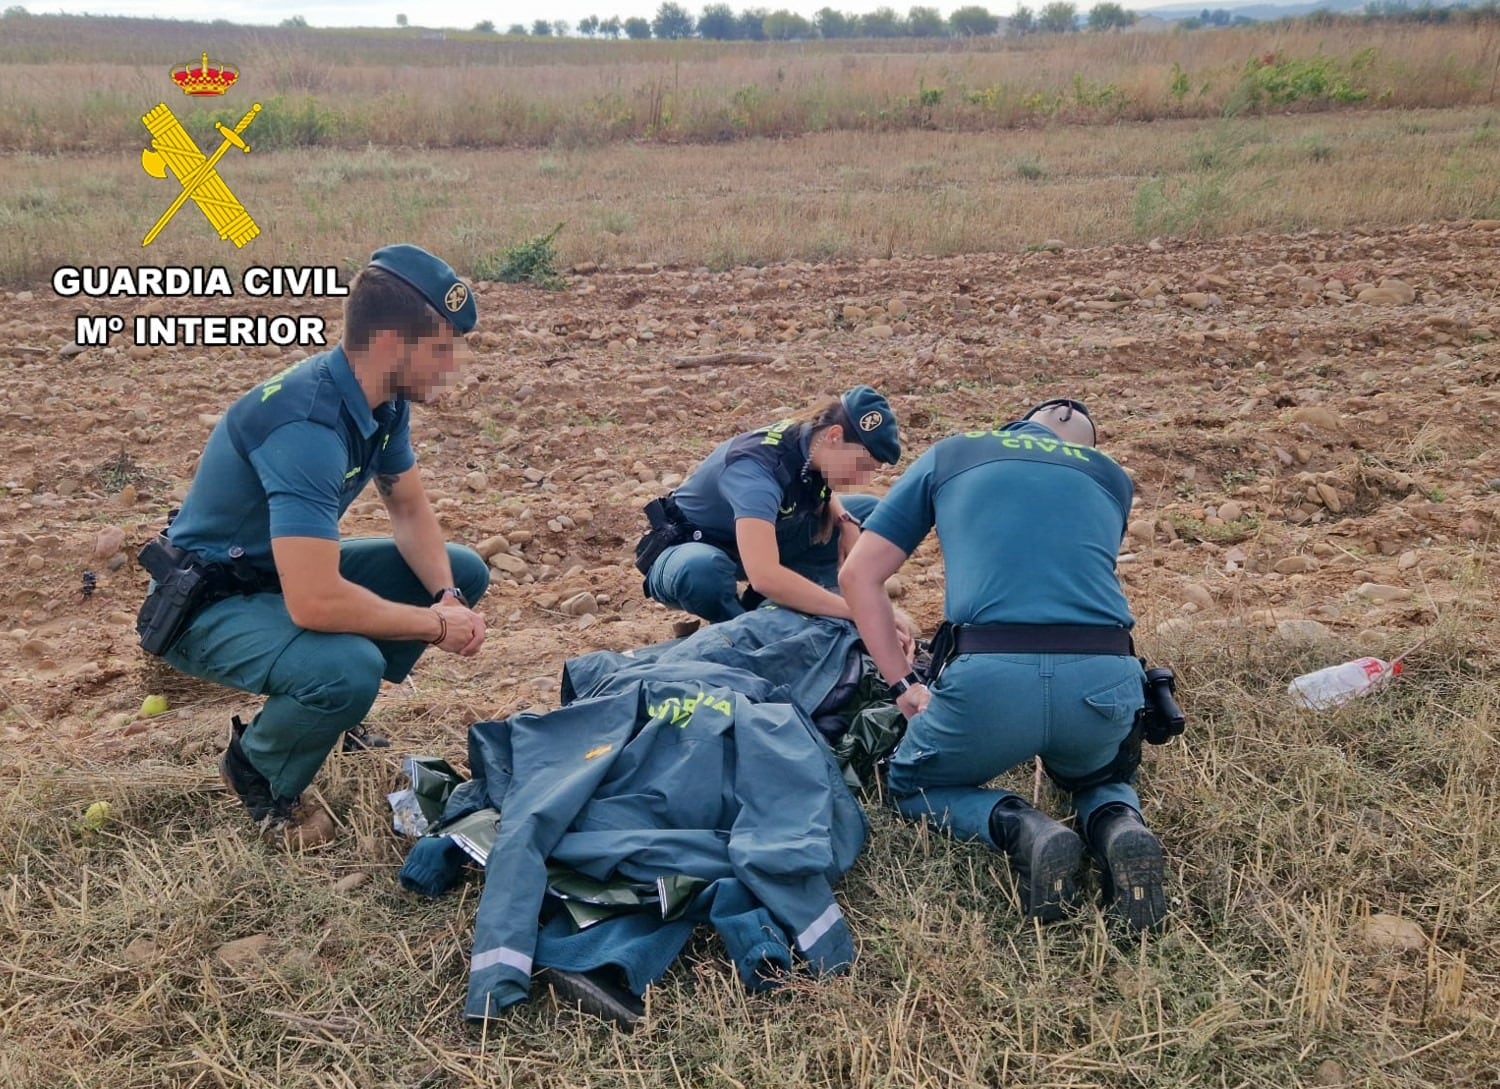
{"x": 1121, "y": 769}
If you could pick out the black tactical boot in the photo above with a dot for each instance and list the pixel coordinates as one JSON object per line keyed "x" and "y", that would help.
{"x": 1044, "y": 854}
{"x": 282, "y": 822}
{"x": 601, "y": 992}
{"x": 1130, "y": 862}
{"x": 360, "y": 739}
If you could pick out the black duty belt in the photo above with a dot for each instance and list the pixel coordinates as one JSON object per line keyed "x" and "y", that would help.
{"x": 1040, "y": 639}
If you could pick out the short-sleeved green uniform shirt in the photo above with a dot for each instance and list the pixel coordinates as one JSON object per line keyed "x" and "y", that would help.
{"x": 287, "y": 459}
{"x": 1030, "y": 526}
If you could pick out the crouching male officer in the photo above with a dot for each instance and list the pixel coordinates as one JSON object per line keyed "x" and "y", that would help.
{"x": 292, "y": 612}
{"x": 1030, "y": 518}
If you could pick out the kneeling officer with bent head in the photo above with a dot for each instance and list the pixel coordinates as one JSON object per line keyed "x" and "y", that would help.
{"x": 1030, "y": 518}
{"x": 254, "y": 588}
{"x": 762, "y": 507}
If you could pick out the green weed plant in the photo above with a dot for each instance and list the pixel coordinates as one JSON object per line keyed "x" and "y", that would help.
{"x": 531, "y": 262}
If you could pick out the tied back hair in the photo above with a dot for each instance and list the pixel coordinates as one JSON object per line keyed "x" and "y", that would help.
{"x": 814, "y": 419}
{"x": 821, "y": 416}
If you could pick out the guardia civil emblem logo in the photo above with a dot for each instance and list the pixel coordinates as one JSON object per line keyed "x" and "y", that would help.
{"x": 456, "y": 297}
{"x": 198, "y": 175}
{"x": 871, "y": 420}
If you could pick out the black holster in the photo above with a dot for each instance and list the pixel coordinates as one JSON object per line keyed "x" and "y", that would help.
{"x": 668, "y": 528}
{"x": 185, "y": 584}
{"x": 1161, "y": 719}
{"x": 182, "y": 588}
{"x": 942, "y": 651}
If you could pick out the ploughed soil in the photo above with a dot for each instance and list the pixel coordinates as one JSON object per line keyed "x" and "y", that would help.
{"x": 1310, "y": 420}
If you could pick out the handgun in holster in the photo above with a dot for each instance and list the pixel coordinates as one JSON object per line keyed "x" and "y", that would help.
{"x": 941, "y": 651}
{"x": 181, "y": 589}
{"x": 668, "y": 528}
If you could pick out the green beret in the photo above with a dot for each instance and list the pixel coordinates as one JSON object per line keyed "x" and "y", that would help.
{"x": 433, "y": 278}
{"x": 872, "y": 422}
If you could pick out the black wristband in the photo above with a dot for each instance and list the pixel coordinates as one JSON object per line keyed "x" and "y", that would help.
{"x": 899, "y": 688}
{"x": 437, "y": 598}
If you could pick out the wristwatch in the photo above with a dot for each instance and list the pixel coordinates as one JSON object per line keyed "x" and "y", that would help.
{"x": 437, "y": 598}
{"x": 896, "y": 690}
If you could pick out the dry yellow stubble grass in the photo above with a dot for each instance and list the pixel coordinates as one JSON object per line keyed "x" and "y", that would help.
{"x": 70, "y": 84}
{"x": 810, "y": 198}
{"x": 1287, "y": 833}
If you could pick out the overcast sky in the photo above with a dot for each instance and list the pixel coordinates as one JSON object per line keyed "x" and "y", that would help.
{"x": 465, "y": 13}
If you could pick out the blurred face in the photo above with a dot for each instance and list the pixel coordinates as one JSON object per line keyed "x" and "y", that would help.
{"x": 425, "y": 368}
{"x": 844, "y": 463}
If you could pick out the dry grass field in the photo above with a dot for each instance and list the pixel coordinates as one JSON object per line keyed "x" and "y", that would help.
{"x": 721, "y": 155}
{"x": 1317, "y": 477}
{"x": 814, "y": 197}
{"x": 68, "y": 84}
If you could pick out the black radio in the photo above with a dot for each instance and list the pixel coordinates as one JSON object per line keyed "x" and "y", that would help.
{"x": 1161, "y": 718}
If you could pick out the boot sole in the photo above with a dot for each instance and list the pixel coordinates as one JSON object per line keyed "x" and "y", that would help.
{"x": 603, "y": 1001}
{"x": 369, "y": 743}
{"x": 1052, "y": 886}
{"x": 1137, "y": 875}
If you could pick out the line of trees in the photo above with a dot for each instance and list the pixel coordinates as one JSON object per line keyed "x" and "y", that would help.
{"x": 720, "y": 22}
{"x": 1217, "y": 18}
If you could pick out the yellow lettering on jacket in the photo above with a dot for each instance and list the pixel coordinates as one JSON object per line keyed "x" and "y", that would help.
{"x": 678, "y": 711}
{"x": 775, "y": 431}
{"x": 273, "y": 384}
{"x": 1011, "y": 440}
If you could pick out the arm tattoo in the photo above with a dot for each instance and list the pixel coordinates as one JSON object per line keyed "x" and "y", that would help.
{"x": 385, "y": 483}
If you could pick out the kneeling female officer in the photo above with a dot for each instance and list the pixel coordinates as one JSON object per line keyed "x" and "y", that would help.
{"x": 761, "y": 507}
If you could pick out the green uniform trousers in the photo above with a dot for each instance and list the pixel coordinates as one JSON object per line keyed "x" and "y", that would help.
{"x": 991, "y": 712}
{"x": 317, "y": 684}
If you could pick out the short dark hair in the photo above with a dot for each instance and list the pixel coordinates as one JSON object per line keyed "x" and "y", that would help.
{"x": 378, "y": 300}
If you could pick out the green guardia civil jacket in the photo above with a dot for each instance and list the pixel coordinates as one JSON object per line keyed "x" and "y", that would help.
{"x": 691, "y": 760}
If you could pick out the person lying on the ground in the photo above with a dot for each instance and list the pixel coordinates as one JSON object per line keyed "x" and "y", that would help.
{"x": 684, "y": 782}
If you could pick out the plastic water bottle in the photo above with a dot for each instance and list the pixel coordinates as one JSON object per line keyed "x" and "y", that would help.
{"x": 1335, "y": 685}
